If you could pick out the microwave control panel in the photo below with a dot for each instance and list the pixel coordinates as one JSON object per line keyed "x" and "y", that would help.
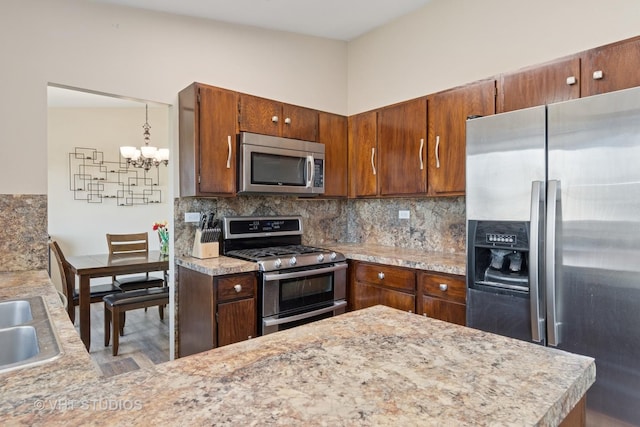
{"x": 318, "y": 173}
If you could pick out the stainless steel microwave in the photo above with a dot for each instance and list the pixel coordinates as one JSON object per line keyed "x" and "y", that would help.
{"x": 269, "y": 164}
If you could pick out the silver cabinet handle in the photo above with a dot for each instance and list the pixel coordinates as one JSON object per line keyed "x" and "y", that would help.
{"x": 537, "y": 318}
{"x": 597, "y": 75}
{"x": 381, "y": 275}
{"x": 420, "y": 153}
{"x": 287, "y": 121}
{"x": 437, "y": 151}
{"x": 229, "y": 152}
{"x": 571, "y": 80}
{"x": 237, "y": 288}
{"x": 274, "y": 119}
{"x": 444, "y": 287}
{"x": 553, "y": 334}
{"x": 373, "y": 155}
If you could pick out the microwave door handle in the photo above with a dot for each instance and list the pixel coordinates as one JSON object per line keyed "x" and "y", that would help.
{"x": 302, "y": 316}
{"x": 310, "y": 162}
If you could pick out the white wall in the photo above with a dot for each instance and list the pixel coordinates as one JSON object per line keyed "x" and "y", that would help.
{"x": 143, "y": 55}
{"x": 80, "y": 227}
{"x": 453, "y": 42}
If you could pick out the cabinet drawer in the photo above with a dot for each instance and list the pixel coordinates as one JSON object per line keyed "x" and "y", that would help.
{"x": 234, "y": 287}
{"x": 449, "y": 288}
{"x": 393, "y": 277}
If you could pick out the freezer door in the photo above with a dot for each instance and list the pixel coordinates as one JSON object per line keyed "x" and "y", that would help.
{"x": 594, "y": 163}
{"x": 505, "y": 154}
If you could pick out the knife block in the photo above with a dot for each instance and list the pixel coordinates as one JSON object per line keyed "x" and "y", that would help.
{"x": 204, "y": 250}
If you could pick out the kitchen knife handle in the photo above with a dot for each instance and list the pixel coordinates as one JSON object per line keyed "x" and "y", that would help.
{"x": 537, "y": 318}
{"x": 437, "y": 151}
{"x": 420, "y": 153}
{"x": 553, "y": 194}
{"x": 229, "y": 152}
{"x": 373, "y": 155}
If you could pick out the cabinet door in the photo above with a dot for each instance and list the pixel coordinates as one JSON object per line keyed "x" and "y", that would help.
{"x": 217, "y": 140}
{"x": 611, "y": 67}
{"x": 237, "y": 321}
{"x": 363, "y": 158}
{"x": 366, "y": 295}
{"x": 402, "y": 134}
{"x": 299, "y": 123}
{"x": 332, "y": 132}
{"x": 260, "y": 115}
{"x": 546, "y": 84}
{"x": 443, "y": 310}
{"x": 448, "y": 112}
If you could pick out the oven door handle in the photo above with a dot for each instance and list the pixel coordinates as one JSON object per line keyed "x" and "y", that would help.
{"x": 282, "y": 276}
{"x": 335, "y": 306}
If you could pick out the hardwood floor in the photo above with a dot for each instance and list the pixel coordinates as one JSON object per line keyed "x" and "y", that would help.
{"x": 145, "y": 341}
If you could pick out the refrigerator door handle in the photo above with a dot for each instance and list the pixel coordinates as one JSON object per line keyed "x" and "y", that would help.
{"x": 537, "y": 317}
{"x": 553, "y": 194}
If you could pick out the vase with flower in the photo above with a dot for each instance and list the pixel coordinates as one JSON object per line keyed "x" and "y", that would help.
{"x": 163, "y": 236}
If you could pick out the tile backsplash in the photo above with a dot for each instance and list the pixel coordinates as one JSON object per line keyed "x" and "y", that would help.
{"x": 435, "y": 224}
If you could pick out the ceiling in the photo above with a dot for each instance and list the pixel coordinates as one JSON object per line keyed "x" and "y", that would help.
{"x": 334, "y": 19}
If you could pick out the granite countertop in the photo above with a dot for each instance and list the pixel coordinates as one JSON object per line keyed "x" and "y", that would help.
{"x": 72, "y": 366}
{"x": 376, "y": 366}
{"x": 452, "y": 263}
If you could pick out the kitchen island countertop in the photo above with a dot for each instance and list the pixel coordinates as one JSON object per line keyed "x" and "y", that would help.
{"x": 376, "y": 366}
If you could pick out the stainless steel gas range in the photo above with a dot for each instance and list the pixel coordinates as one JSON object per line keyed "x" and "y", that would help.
{"x": 297, "y": 284}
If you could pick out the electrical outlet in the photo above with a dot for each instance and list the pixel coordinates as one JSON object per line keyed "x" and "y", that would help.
{"x": 404, "y": 214}
{"x": 191, "y": 216}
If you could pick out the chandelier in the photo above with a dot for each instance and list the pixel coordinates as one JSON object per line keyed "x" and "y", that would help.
{"x": 147, "y": 155}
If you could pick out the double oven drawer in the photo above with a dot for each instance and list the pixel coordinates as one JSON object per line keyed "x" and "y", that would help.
{"x": 294, "y": 297}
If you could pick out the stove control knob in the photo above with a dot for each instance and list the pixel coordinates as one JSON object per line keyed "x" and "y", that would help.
{"x": 320, "y": 258}
{"x": 278, "y": 263}
{"x": 333, "y": 255}
{"x": 293, "y": 261}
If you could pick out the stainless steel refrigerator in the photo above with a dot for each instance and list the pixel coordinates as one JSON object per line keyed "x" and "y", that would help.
{"x": 553, "y": 235}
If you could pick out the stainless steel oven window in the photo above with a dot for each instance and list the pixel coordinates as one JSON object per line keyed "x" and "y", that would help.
{"x": 278, "y": 169}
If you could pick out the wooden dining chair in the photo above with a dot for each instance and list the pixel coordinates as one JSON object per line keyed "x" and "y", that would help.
{"x": 135, "y": 243}
{"x": 98, "y": 292}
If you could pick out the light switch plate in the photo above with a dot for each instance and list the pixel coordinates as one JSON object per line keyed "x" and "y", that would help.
{"x": 404, "y": 214}
{"x": 191, "y": 216}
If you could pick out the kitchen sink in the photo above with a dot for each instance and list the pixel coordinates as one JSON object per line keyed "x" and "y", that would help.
{"x": 27, "y": 336}
{"x": 14, "y": 313}
{"x": 17, "y": 344}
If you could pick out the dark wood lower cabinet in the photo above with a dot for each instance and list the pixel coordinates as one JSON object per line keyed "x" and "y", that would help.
{"x": 437, "y": 295}
{"x": 214, "y": 310}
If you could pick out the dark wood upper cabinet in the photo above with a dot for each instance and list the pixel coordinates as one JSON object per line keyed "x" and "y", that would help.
{"x": 553, "y": 82}
{"x": 448, "y": 112}
{"x": 207, "y": 140}
{"x": 269, "y": 117}
{"x": 611, "y": 67}
{"x": 402, "y": 135}
{"x": 332, "y": 132}
{"x": 363, "y": 156}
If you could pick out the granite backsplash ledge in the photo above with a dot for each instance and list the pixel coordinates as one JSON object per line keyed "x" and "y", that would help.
{"x": 23, "y": 220}
{"x": 435, "y": 224}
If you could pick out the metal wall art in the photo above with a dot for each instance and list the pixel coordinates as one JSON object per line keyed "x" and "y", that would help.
{"x": 93, "y": 179}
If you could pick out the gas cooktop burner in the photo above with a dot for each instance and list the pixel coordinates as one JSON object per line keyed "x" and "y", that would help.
{"x": 275, "y": 243}
{"x": 274, "y": 251}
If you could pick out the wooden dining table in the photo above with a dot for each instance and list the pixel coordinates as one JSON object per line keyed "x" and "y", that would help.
{"x": 87, "y": 267}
